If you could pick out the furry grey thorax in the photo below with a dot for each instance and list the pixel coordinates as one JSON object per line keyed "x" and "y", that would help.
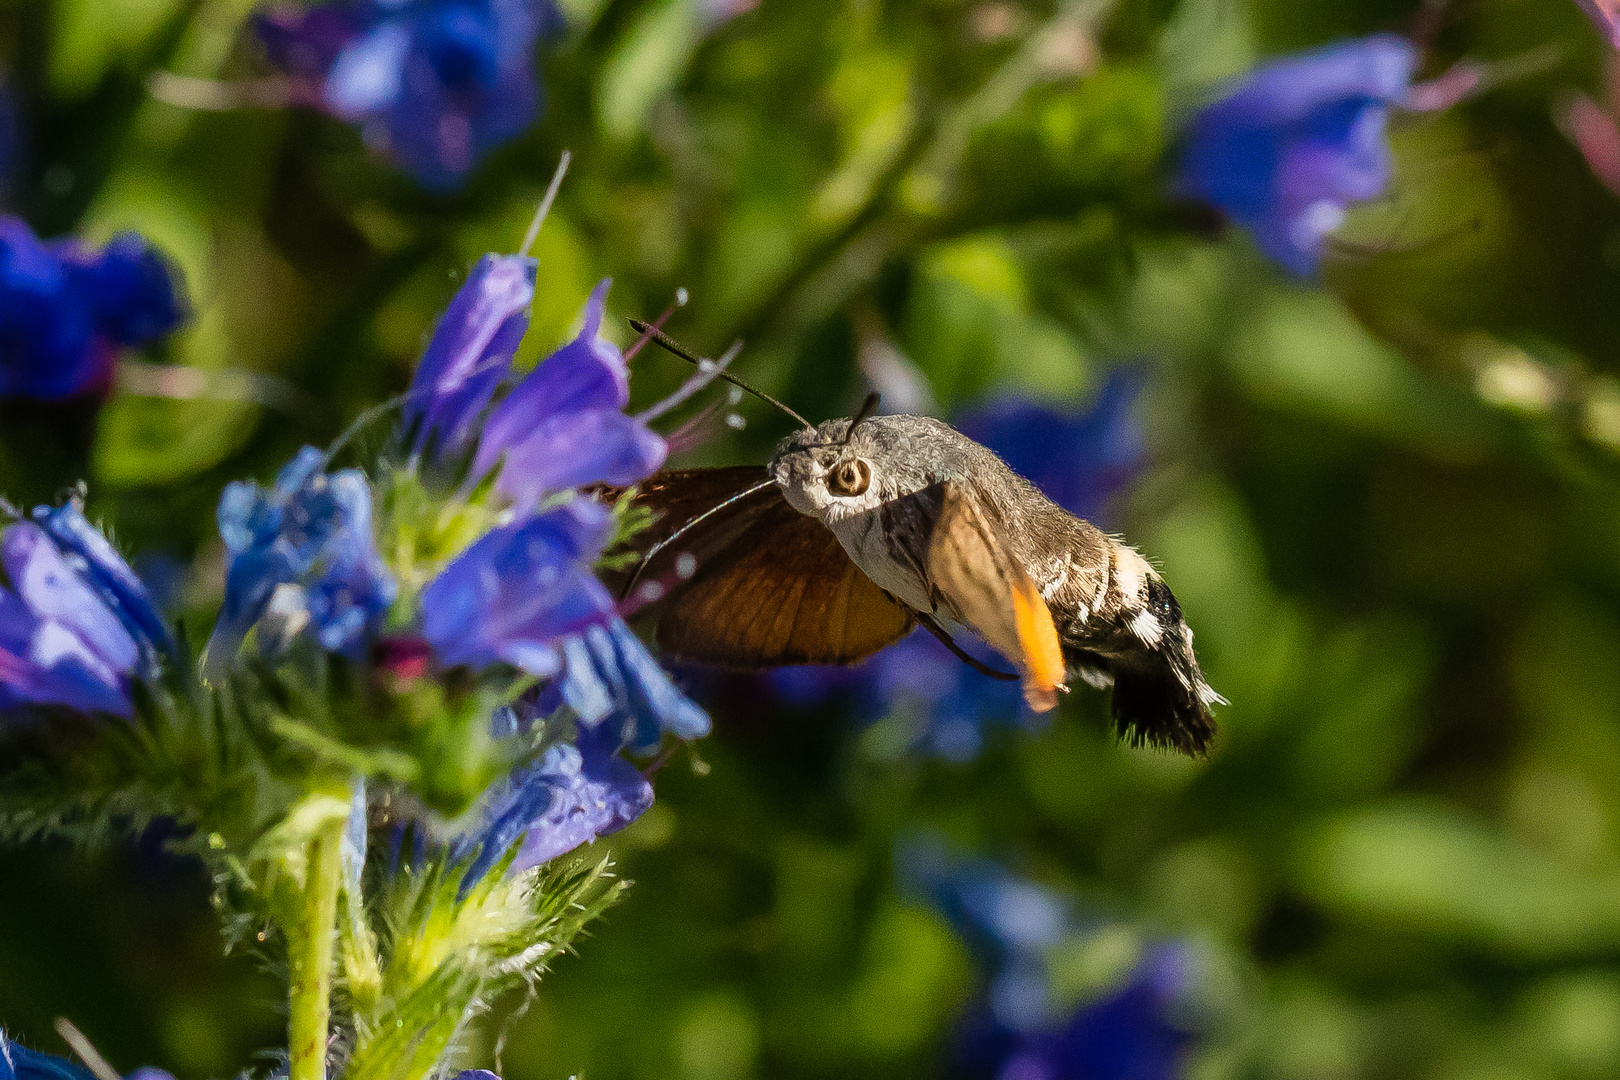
{"x": 1116, "y": 619}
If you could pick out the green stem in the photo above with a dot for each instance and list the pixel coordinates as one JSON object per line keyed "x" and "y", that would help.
{"x": 310, "y": 944}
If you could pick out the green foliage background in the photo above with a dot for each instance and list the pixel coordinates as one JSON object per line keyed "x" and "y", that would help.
{"x": 1403, "y": 859}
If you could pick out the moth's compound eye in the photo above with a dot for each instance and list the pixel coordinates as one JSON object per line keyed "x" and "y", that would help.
{"x": 849, "y": 477}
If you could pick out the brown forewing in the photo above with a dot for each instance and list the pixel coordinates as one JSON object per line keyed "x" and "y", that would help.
{"x": 772, "y": 586}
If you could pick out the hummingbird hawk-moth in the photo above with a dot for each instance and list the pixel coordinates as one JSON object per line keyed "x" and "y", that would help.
{"x": 861, "y": 528}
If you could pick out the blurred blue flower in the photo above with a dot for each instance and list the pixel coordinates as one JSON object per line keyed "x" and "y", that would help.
{"x": 517, "y": 591}
{"x": 564, "y": 426}
{"x": 1142, "y": 1029}
{"x": 1079, "y": 460}
{"x": 97, "y": 562}
{"x": 1297, "y": 141}
{"x": 60, "y": 643}
{"x": 129, "y": 286}
{"x": 1009, "y": 923}
{"x": 433, "y": 84}
{"x": 21, "y": 1063}
{"x": 302, "y": 552}
{"x": 945, "y": 705}
{"x": 471, "y": 352}
{"x": 65, "y": 310}
{"x": 575, "y": 793}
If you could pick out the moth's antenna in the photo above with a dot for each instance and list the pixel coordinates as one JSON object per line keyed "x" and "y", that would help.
{"x": 636, "y": 346}
{"x": 868, "y": 407}
{"x": 671, "y": 345}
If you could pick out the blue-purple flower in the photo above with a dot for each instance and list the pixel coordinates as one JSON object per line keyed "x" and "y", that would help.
{"x": 433, "y": 84}
{"x": 98, "y": 563}
{"x": 526, "y": 594}
{"x": 21, "y": 1063}
{"x": 1296, "y": 142}
{"x": 65, "y": 310}
{"x": 63, "y": 641}
{"x": 303, "y": 552}
{"x": 1010, "y": 924}
{"x": 1141, "y": 1029}
{"x": 518, "y": 590}
{"x": 470, "y": 354}
{"x": 575, "y": 793}
{"x": 564, "y": 425}
{"x": 608, "y": 674}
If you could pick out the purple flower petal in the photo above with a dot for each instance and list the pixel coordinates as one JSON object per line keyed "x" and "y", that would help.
{"x": 434, "y": 84}
{"x": 64, "y": 310}
{"x": 368, "y": 73}
{"x": 470, "y": 353}
{"x": 48, "y": 346}
{"x": 468, "y": 86}
{"x": 610, "y": 676}
{"x": 574, "y": 794}
{"x": 60, "y": 644}
{"x": 1299, "y": 140}
{"x": 305, "y": 41}
{"x": 134, "y": 294}
{"x": 600, "y": 447}
{"x": 585, "y": 375}
{"x": 517, "y": 591}
{"x": 21, "y": 1063}
{"x": 94, "y": 558}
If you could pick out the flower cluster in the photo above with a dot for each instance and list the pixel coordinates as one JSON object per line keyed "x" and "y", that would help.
{"x": 419, "y": 644}
{"x": 66, "y": 310}
{"x": 433, "y": 84}
{"x": 1138, "y": 1026}
{"x": 1079, "y": 460}
{"x": 509, "y": 593}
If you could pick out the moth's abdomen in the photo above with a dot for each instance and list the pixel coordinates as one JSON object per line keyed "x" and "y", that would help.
{"x": 1160, "y": 696}
{"x": 1131, "y": 633}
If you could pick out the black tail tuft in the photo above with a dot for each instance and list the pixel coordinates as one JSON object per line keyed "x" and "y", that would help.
{"x": 1160, "y": 696}
{"x": 1153, "y": 708}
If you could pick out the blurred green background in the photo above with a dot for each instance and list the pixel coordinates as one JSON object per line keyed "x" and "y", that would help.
{"x": 1389, "y": 502}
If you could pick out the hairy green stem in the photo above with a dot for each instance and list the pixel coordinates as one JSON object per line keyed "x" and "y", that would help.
{"x": 310, "y": 943}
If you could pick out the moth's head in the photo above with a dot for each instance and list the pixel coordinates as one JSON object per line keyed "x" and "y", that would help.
{"x": 831, "y": 473}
